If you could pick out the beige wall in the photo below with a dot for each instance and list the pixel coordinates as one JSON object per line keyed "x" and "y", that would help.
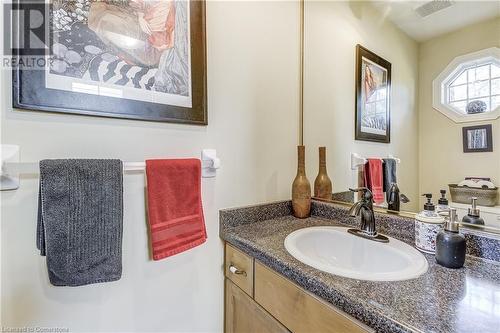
{"x": 441, "y": 156}
{"x": 333, "y": 29}
{"x": 253, "y": 124}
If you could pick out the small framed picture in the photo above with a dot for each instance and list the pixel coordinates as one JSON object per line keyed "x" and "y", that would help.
{"x": 477, "y": 139}
{"x": 373, "y": 95}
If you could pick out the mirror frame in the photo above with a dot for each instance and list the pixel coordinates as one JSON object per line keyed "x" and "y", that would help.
{"x": 484, "y": 231}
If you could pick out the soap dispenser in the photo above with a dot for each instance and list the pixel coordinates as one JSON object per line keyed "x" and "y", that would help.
{"x": 473, "y": 217}
{"x": 442, "y": 205}
{"x": 427, "y": 225}
{"x": 450, "y": 245}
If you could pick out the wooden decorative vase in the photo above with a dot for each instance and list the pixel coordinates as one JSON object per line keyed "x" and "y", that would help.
{"x": 322, "y": 184}
{"x": 301, "y": 188}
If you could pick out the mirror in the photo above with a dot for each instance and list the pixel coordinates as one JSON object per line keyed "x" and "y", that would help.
{"x": 412, "y": 87}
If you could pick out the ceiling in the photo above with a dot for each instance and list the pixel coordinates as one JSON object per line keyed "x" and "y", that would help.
{"x": 459, "y": 15}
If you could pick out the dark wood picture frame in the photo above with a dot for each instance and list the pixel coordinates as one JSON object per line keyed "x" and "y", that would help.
{"x": 489, "y": 139}
{"x": 30, "y": 92}
{"x": 361, "y": 53}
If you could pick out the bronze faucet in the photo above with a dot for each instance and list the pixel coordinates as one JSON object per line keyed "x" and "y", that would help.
{"x": 395, "y": 198}
{"x": 364, "y": 209}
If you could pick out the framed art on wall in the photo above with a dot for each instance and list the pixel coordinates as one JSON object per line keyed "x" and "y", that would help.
{"x": 373, "y": 92}
{"x": 132, "y": 59}
{"x": 477, "y": 139}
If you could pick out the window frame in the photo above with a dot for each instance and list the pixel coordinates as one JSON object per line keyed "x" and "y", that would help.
{"x": 454, "y": 69}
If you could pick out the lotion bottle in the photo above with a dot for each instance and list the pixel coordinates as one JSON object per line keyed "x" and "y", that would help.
{"x": 427, "y": 225}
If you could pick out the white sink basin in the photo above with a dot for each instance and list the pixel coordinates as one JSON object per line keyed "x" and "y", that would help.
{"x": 334, "y": 250}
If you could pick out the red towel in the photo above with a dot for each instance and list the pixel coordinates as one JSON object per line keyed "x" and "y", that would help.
{"x": 374, "y": 179}
{"x": 174, "y": 206}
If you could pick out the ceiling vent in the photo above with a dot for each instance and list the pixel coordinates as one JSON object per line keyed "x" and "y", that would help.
{"x": 433, "y": 6}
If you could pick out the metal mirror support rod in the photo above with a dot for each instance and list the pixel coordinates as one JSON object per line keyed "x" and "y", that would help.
{"x": 301, "y": 74}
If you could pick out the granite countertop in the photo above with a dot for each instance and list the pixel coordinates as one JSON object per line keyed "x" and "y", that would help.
{"x": 442, "y": 300}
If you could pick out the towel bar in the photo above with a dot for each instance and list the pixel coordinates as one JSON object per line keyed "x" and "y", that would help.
{"x": 33, "y": 167}
{"x": 11, "y": 168}
{"x": 357, "y": 160}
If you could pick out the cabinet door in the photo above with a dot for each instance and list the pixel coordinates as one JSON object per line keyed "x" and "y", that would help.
{"x": 244, "y": 315}
{"x": 299, "y": 310}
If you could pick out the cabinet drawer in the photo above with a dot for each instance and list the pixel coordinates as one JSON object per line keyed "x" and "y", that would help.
{"x": 238, "y": 267}
{"x": 297, "y": 309}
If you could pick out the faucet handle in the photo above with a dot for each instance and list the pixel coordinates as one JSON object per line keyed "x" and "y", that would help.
{"x": 404, "y": 198}
{"x": 359, "y": 189}
{"x": 367, "y": 195}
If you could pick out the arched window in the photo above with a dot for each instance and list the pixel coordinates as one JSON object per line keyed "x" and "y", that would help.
{"x": 469, "y": 88}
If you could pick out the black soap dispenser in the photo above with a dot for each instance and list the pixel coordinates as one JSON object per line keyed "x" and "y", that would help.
{"x": 473, "y": 216}
{"x": 450, "y": 245}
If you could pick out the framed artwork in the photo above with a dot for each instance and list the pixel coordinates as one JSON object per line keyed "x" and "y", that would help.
{"x": 477, "y": 139}
{"x": 132, "y": 59}
{"x": 373, "y": 92}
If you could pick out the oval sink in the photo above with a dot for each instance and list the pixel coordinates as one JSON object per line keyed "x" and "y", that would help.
{"x": 334, "y": 250}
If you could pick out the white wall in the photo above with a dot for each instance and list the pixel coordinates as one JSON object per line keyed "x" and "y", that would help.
{"x": 442, "y": 160}
{"x": 332, "y": 31}
{"x": 253, "y": 123}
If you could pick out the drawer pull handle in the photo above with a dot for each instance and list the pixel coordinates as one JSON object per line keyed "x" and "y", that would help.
{"x": 236, "y": 271}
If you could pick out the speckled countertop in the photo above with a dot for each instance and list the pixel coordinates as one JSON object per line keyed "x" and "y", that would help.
{"x": 441, "y": 300}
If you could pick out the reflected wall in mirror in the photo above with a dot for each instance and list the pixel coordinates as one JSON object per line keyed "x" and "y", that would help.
{"x": 445, "y": 71}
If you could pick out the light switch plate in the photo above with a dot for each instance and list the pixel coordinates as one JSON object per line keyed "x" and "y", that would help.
{"x": 210, "y": 163}
{"x": 9, "y": 180}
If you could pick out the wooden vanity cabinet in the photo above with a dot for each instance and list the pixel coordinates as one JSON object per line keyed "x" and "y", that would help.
{"x": 259, "y": 300}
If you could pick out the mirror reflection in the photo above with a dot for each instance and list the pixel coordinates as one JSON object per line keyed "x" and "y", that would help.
{"x": 405, "y": 96}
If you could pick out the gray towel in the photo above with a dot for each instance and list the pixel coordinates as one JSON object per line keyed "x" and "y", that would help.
{"x": 389, "y": 175}
{"x": 80, "y": 220}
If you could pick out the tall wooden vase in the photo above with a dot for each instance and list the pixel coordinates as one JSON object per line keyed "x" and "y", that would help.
{"x": 322, "y": 184}
{"x": 301, "y": 188}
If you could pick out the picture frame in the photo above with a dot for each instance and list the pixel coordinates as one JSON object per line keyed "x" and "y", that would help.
{"x": 373, "y": 97}
{"x": 163, "y": 79}
{"x": 477, "y": 139}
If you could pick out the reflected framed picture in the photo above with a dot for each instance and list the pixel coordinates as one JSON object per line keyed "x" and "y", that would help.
{"x": 134, "y": 59}
{"x": 477, "y": 139}
{"x": 373, "y": 94}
